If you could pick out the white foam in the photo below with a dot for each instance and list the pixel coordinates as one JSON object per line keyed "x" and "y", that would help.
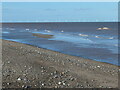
{"x": 73, "y": 39}
{"x": 62, "y": 31}
{"x": 115, "y": 44}
{"x": 27, "y": 29}
{"x": 111, "y": 38}
{"x": 12, "y": 29}
{"x": 97, "y": 36}
{"x": 104, "y": 37}
{"x": 82, "y": 35}
{"x": 47, "y": 31}
{"x": 35, "y": 29}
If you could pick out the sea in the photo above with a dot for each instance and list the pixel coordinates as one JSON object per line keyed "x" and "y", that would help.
{"x": 91, "y": 40}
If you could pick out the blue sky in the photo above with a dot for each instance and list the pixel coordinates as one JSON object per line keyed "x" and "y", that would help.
{"x": 59, "y": 11}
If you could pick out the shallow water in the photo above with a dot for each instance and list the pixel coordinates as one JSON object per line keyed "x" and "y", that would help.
{"x": 78, "y": 39}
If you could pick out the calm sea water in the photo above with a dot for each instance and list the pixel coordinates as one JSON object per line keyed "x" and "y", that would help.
{"x": 78, "y": 39}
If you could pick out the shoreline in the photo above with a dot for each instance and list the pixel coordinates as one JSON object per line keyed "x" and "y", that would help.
{"x": 65, "y": 54}
{"x": 23, "y": 64}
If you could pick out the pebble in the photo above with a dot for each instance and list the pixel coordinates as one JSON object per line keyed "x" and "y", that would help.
{"x": 43, "y": 84}
{"x": 55, "y": 76}
{"x": 8, "y": 62}
{"x": 8, "y": 83}
{"x": 25, "y": 79}
{"x": 64, "y": 84}
{"x": 77, "y": 84}
{"x": 30, "y": 68}
{"x": 63, "y": 73}
{"x": 71, "y": 79}
{"x": 56, "y": 86}
{"x": 27, "y": 86}
{"x": 23, "y": 86}
{"x": 100, "y": 86}
{"x": 38, "y": 52}
{"x": 68, "y": 84}
{"x": 42, "y": 71}
{"x": 59, "y": 83}
{"x": 19, "y": 79}
{"x": 42, "y": 67}
{"x": 92, "y": 80}
{"x": 51, "y": 73}
{"x": 98, "y": 66}
{"x": 55, "y": 72}
{"x": 113, "y": 74}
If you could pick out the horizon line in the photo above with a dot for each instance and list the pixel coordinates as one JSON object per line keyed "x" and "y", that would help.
{"x": 52, "y": 22}
{"x": 59, "y": 1}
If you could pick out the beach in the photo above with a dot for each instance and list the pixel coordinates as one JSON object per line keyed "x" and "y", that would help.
{"x": 26, "y": 66}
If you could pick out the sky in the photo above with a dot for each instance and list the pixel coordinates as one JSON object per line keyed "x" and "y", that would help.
{"x": 59, "y": 11}
{"x": 60, "y": 0}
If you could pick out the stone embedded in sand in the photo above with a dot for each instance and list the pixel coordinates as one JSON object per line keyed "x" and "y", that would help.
{"x": 23, "y": 86}
{"x": 77, "y": 84}
{"x": 98, "y": 66}
{"x": 64, "y": 83}
{"x": 25, "y": 79}
{"x": 55, "y": 76}
{"x": 8, "y": 62}
{"x": 42, "y": 67}
{"x": 43, "y": 84}
{"x": 42, "y": 71}
{"x": 56, "y": 86}
{"x": 71, "y": 79}
{"x": 63, "y": 73}
{"x": 92, "y": 80}
{"x": 52, "y": 74}
{"x": 30, "y": 68}
{"x": 8, "y": 83}
{"x": 27, "y": 87}
{"x": 68, "y": 84}
{"x": 59, "y": 83}
{"x": 55, "y": 72}
{"x": 19, "y": 79}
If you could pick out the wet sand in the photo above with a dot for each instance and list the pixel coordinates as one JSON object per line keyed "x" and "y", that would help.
{"x": 26, "y": 66}
{"x": 42, "y": 35}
